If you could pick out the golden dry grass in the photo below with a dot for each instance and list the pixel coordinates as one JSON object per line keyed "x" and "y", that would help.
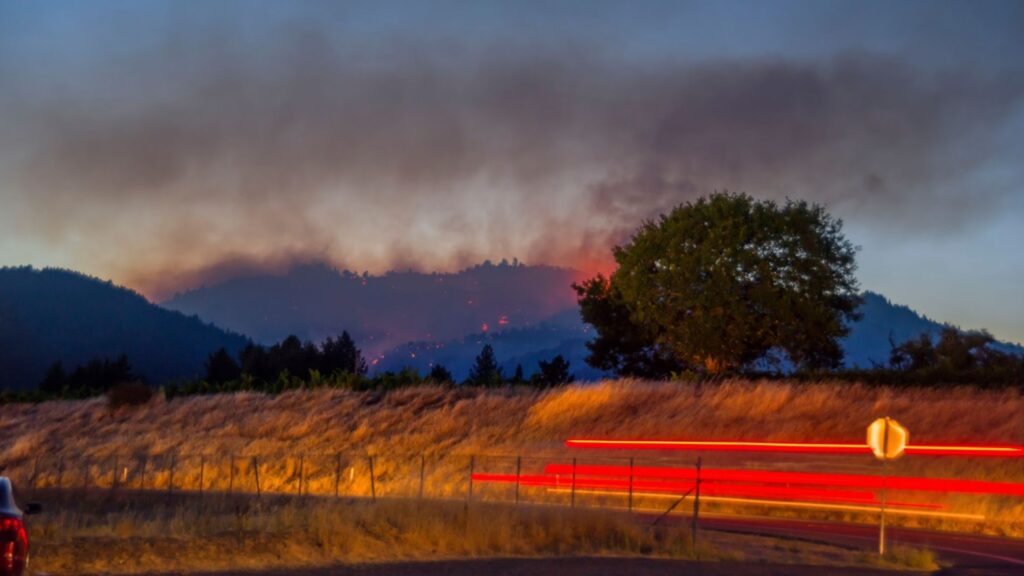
{"x": 140, "y": 535}
{"x": 445, "y": 425}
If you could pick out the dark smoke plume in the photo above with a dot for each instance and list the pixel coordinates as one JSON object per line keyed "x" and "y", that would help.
{"x": 206, "y": 155}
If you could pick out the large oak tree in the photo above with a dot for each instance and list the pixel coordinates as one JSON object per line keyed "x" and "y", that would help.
{"x": 721, "y": 284}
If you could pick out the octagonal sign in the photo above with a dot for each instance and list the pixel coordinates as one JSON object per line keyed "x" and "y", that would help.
{"x": 887, "y": 438}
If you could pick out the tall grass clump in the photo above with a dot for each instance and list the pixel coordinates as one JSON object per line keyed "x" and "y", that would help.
{"x": 911, "y": 558}
{"x": 129, "y": 394}
{"x": 141, "y": 536}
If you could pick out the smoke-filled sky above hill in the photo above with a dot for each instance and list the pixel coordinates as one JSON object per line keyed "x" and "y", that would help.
{"x": 167, "y": 144}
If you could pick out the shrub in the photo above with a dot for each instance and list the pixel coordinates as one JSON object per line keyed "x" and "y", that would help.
{"x": 912, "y": 558}
{"x": 129, "y": 394}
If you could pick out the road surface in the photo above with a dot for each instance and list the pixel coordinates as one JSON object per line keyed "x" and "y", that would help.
{"x": 969, "y": 554}
{"x": 966, "y": 555}
{"x": 585, "y": 566}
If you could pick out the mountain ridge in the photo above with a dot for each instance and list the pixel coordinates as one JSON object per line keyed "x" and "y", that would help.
{"x": 496, "y": 291}
{"x": 865, "y": 347}
{"x": 314, "y": 301}
{"x": 52, "y": 314}
{"x": 527, "y": 313}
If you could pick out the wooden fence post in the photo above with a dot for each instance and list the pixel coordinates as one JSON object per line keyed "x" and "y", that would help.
{"x": 202, "y": 472}
{"x": 231, "y": 475}
{"x": 256, "y": 472}
{"x": 373, "y": 486}
{"x": 170, "y": 476}
{"x": 337, "y": 474}
{"x": 302, "y": 471}
{"x": 35, "y": 474}
{"x": 696, "y": 506}
{"x": 519, "y": 470}
{"x": 86, "y": 476}
{"x": 469, "y": 492}
{"x": 423, "y": 466}
{"x": 631, "y": 484}
{"x": 572, "y": 501}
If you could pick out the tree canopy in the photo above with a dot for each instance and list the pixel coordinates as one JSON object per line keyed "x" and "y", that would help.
{"x": 955, "y": 355}
{"x": 485, "y": 371}
{"x": 96, "y": 375}
{"x": 222, "y": 368}
{"x": 723, "y": 283}
{"x": 297, "y": 358}
{"x": 622, "y": 346}
{"x": 439, "y": 374}
{"x": 553, "y": 372}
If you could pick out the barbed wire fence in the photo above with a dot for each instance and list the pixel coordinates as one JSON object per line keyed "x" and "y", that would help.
{"x": 506, "y": 478}
{"x": 557, "y": 480}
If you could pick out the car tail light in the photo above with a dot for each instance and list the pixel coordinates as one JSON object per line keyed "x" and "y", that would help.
{"x": 13, "y": 546}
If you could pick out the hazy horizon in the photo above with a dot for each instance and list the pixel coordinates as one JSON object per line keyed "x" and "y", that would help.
{"x": 163, "y": 146}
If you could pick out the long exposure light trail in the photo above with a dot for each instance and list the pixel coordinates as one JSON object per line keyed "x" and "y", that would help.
{"x": 805, "y": 478}
{"x": 707, "y": 488}
{"x": 1005, "y": 451}
{"x": 790, "y": 504}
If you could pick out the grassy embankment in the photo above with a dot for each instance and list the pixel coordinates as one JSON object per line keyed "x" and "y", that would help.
{"x": 185, "y": 534}
{"x": 295, "y": 434}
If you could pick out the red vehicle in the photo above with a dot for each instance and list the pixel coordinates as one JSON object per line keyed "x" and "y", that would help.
{"x": 13, "y": 536}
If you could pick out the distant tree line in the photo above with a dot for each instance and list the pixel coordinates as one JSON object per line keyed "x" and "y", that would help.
{"x": 288, "y": 365}
{"x": 487, "y": 373}
{"x": 339, "y": 363}
{"x": 951, "y": 357}
{"x": 336, "y": 356}
{"x": 100, "y": 376}
{"x": 92, "y": 378}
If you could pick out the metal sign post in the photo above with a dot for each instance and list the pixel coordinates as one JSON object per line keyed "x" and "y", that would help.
{"x": 885, "y": 475}
{"x": 887, "y": 440}
{"x": 696, "y": 505}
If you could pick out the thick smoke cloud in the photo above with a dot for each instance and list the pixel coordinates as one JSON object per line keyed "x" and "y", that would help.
{"x": 207, "y": 155}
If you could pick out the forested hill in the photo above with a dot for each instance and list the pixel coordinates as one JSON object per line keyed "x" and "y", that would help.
{"x": 527, "y": 313}
{"x": 381, "y": 312}
{"x": 868, "y": 344}
{"x": 58, "y": 315}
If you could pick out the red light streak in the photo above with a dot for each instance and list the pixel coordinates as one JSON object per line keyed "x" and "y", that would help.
{"x": 714, "y": 446}
{"x": 793, "y": 447}
{"x": 936, "y": 450}
{"x": 707, "y": 488}
{"x": 805, "y": 478}
{"x": 787, "y": 504}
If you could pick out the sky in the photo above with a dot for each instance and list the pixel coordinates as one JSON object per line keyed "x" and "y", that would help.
{"x": 165, "y": 145}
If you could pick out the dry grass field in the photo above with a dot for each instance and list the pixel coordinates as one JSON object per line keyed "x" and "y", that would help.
{"x": 295, "y": 435}
{"x": 151, "y": 536}
{"x": 186, "y": 534}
